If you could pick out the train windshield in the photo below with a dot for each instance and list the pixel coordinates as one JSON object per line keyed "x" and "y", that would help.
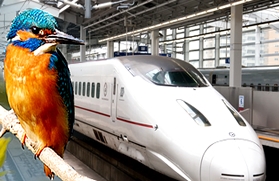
{"x": 164, "y": 71}
{"x": 173, "y": 78}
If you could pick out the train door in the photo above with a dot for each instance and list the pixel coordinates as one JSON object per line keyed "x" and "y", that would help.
{"x": 114, "y": 100}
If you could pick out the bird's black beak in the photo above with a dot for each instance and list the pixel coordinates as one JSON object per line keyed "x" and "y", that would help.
{"x": 63, "y": 38}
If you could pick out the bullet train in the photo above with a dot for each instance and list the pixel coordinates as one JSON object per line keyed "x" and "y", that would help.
{"x": 261, "y": 78}
{"x": 163, "y": 113}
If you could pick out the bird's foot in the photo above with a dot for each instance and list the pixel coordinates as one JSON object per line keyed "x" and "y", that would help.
{"x": 22, "y": 140}
{"x": 48, "y": 172}
{"x": 39, "y": 151}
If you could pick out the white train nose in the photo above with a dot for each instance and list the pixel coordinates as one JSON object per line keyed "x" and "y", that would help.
{"x": 233, "y": 160}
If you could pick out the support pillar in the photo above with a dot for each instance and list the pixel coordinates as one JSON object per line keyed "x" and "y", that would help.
{"x": 110, "y": 49}
{"x": 173, "y": 47}
{"x": 164, "y": 32}
{"x": 236, "y": 46}
{"x": 64, "y": 47}
{"x": 82, "y": 47}
{"x": 119, "y": 43}
{"x": 217, "y": 50}
{"x": 186, "y": 45}
{"x": 154, "y": 42}
{"x": 201, "y": 48}
{"x": 258, "y": 46}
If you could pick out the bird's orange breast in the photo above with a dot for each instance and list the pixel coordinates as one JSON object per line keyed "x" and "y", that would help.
{"x": 33, "y": 94}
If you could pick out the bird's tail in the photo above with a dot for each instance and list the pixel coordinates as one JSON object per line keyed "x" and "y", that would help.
{"x": 48, "y": 172}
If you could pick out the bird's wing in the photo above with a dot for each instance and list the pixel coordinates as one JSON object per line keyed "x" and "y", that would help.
{"x": 65, "y": 86}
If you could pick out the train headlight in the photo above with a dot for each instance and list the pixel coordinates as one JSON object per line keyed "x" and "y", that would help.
{"x": 197, "y": 116}
{"x": 235, "y": 114}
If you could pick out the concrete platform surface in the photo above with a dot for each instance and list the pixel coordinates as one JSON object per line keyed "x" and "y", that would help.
{"x": 81, "y": 168}
{"x": 20, "y": 164}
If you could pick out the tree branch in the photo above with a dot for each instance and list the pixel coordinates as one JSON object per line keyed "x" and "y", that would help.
{"x": 57, "y": 165}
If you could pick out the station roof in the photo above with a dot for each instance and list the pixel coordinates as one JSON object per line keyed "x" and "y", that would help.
{"x": 109, "y": 21}
{"x": 107, "y": 18}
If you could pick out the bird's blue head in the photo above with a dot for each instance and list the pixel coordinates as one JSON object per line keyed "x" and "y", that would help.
{"x": 31, "y": 19}
{"x": 34, "y": 28}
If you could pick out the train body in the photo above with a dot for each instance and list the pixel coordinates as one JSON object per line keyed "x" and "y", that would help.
{"x": 262, "y": 78}
{"x": 163, "y": 113}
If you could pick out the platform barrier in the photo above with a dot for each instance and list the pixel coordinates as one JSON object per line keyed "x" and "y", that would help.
{"x": 241, "y": 98}
{"x": 259, "y": 108}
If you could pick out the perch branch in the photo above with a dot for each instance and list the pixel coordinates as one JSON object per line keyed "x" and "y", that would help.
{"x": 57, "y": 165}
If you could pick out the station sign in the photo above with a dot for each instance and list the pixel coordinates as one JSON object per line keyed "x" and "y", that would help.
{"x": 241, "y": 102}
{"x": 142, "y": 48}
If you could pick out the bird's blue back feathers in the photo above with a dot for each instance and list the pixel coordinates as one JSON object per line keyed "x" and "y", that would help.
{"x": 65, "y": 89}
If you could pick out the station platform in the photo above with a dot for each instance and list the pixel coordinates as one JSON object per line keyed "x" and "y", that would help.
{"x": 20, "y": 164}
{"x": 270, "y": 141}
{"x": 269, "y": 137}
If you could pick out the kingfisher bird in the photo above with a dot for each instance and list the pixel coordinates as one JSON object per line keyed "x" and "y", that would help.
{"x": 38, "y": 81}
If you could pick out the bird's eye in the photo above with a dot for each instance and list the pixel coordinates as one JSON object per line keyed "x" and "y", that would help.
{"x": 35, "y": 30}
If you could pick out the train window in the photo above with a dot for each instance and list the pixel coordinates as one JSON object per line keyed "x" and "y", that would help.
{"x": 166, "y": 72}
{"x": 88, "y": 89}
{"x": 114, "y": 85}
{"x": 175, "y": 78}
{"x": 79, "y": 88}
{"x": 235, "y": 114}
{"x": 76, "y": 88}
{"x": 73, "y": 86}
{"x": 92, "y": 89}
{"x": 83, "y": 88}
{"x": 98, "y": 91}
{"x": 196, "y": 115}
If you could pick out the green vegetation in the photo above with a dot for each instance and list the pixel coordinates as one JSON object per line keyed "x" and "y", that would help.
{"x": 3, "y": 148}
